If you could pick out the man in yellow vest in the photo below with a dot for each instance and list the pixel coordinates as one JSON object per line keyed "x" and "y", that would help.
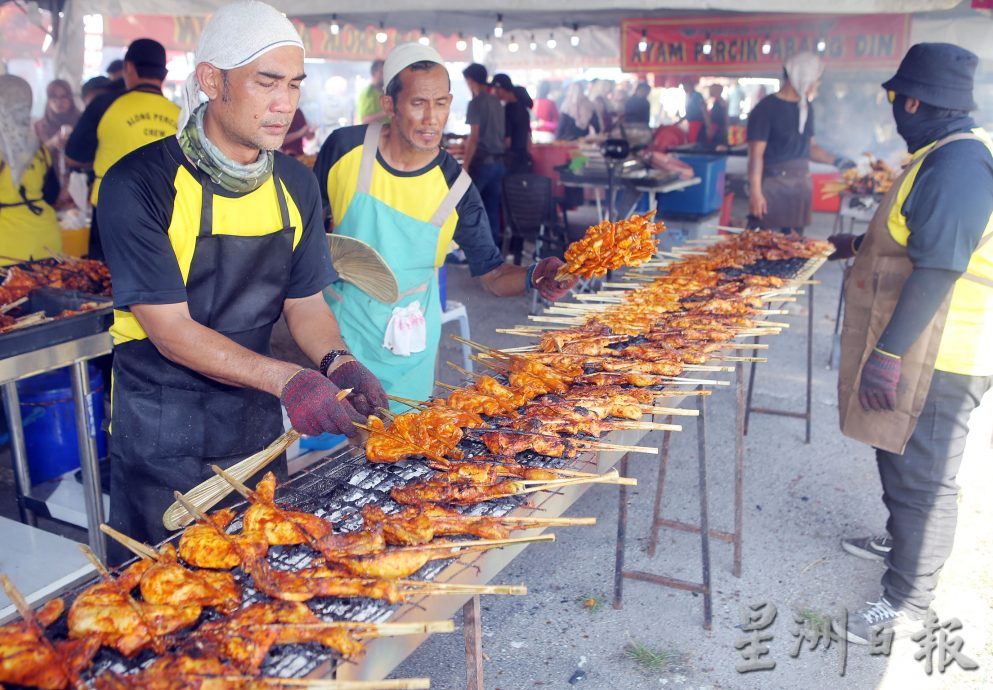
{"x": 917, "y": 342}
{"x": 117, "y": 123}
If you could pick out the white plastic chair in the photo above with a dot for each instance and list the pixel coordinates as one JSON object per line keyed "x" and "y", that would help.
{"x": 455, "y": 311}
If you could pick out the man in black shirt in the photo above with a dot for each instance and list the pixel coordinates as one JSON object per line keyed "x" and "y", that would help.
{"x": 781, "y": 145}
{"x": 485, "y": 146}
{"x": 637, "y": 109}
{"x": 517, "y": 127}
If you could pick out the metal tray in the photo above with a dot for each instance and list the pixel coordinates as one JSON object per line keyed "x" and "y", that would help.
{"x": 53, "y": 301}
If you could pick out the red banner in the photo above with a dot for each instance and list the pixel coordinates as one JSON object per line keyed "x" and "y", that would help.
{"x": 350, "y": 43}
{"x": 758, "y": 44}
{"x": 21, "y": 37}
{"x": 982, "y": 4}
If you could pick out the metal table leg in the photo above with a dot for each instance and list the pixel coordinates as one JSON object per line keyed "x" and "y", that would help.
{"x": 622, "y": 524}
{"x": 701, "y": 446}
{"x": 810, "y": 357}
{"x": 18, "y": 453}
{"x": 473, "y": 629}
{"x": 86, "y": 435}
{"x": 739, "y": 465}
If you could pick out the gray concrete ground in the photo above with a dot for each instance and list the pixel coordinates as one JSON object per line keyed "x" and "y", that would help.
{"x": 800, "y": 500}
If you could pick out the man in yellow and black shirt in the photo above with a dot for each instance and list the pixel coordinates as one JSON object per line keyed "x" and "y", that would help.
{"x": 917, "y": 343}
{"x": 211, "y": 236}
{"x": 397, "y": 190}
{"x": 117, "y": 123}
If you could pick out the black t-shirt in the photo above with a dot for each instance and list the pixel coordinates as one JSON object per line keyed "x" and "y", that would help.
{"x": 149, "y": 220}
{"x": 637, "y": 109}
{"x": 518, "y": 127}
{"x": 777, "y": 122}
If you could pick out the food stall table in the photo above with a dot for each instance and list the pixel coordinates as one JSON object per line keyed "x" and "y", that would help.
{"x": 643, "y": 181}
{"x": 73, "y": 353}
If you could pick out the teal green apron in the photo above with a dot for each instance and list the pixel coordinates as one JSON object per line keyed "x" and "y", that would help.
{"x": 409, "y": 246}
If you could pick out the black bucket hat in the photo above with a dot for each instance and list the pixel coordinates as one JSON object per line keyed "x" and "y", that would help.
{"x": 939, "y": 74}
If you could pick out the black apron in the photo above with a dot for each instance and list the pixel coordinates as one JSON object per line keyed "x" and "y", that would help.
{"x": 788, "y": 192}
{"x": 171, "y": 423}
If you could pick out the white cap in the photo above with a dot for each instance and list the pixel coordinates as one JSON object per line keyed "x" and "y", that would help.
{"x": 404, "y": 56}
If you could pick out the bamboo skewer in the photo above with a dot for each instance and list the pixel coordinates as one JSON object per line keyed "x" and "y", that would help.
{"x": 458, "y": 588}
{"x": 323, "y": 684}
{"x": 744, "y": 346}
{"x": 140, "y": 549}
{"x": 479, "y": 543}
{"x": 416, "y": 404}
{"x": 13, "y": 305}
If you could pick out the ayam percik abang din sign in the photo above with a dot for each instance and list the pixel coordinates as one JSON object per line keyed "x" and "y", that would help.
{"x": 758, "y": 44}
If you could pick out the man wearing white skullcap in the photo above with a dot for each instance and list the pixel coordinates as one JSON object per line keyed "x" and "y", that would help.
{"x": 396, "y": 189}
{"x": 211, "y": 236}
{"x": 781, "y": 145}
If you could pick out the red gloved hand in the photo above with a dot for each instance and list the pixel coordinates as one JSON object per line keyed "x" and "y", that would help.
{"x": 310, "y": 401}
{"x": 880, "y": 376}
{"x": 543, "y": 278}
{"x": 367, "y": 393}
{"x": 844, "y": 246}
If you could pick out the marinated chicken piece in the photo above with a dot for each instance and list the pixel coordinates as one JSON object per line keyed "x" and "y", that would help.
{"x": 25, "y": 659}
{"x": 447, "y": 492}
{"x": 280, "y": 526}
{"x": 168, "y": 582}
{"x": 107, "y": 612}
{"x": 202, "y": 547}
{"x": 182, "y": 673}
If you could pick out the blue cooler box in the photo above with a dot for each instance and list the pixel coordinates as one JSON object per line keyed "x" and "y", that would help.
{"x": 700, "y": 199}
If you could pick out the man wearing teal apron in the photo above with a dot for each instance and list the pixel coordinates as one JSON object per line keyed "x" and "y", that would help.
{"x": 396, "y": 189}
{"x": 210, "y": 237}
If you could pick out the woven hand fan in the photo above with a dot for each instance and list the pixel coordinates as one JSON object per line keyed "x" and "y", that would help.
{"x": 362, "y": 266}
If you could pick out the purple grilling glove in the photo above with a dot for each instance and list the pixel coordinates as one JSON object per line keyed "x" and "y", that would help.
{"x": 542, "y": 276}
{"x": 311, "y": 403}
{"x": 880, "y": 376}
{"x": 367, "y": 392}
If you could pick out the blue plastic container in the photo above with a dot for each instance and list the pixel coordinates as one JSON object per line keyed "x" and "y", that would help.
{"x": 50, "y": 438}
{"x": 700, "y": 199}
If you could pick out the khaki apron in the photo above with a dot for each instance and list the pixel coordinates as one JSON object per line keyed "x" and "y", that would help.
{"x": 788, "y": 191}
{"x": 872, "y": 291}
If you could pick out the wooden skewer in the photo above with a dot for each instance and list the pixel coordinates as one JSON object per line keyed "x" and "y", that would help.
{"x": 645, "y": 426}
{"x": 445, "y": 386}
{"x": 674, "y": 411}
{"x": 679, "y": 394}
{"x": 416, "y": 404}
{"x": 476, "y": 543}
{"x": 139, "y": 549}
{"x": 386, "y": 414}
{"x": 610, "y": 477}
{"x": 464, "y": 372}
{"x": 12, "y": 305}
{"x": 458, "y": 588}
{"x": 322, "y": 684}
{"x": 744, "y": 346}
{"x": 377, "y": 629}
{"x": 235, "y": 484}
{"x": 491, "y": 364}
{"x": 574, "y": 482}
{"x": 732, "y": 358}
{"x": 706, "y": 367}
{"x": 547, "y": 522}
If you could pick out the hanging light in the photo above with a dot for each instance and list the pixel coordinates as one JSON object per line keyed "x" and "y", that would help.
{"x": 821, "y": 44}
{"x": 498, "y": 29}
{"x": 708, "y": 46}
{"x": 643, "y": 43}
{"x": 424, "y": 40}
{"x": 766, "y": 46}
{"x": 574, "y": 39}
{"x": 512, "y": 47}
{"x": 381, "y": 34}
{"x": 551, "y": 43}
{"x": 533, "y": 44}
{"x": 335, "y": 26}
{"x": 461, "y": 45}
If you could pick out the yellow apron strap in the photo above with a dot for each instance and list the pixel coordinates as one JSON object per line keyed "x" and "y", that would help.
{"x": 370, "y": 145}
{"x": 451, "y": 200}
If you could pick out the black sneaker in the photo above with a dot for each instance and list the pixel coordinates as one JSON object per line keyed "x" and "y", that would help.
{"x": 881, "y": 615}
{"x": 871, "y": 548}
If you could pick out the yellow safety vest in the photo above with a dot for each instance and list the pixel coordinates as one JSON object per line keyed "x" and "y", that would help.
{"x": 134, "y": 119}
{"x": 967, "y": 340}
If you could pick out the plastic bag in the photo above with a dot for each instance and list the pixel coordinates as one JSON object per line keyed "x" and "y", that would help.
{"x": 79, "y": 190}
{"x": 406, "y": 332}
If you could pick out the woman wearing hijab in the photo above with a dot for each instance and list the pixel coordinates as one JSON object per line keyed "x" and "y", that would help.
{"x": 577, "y": 115}
{"x": 28, "y": 185}
{"x": 53, "y": 129}
{"x": 61, "y": 115}
{"x": 781, "y": 145}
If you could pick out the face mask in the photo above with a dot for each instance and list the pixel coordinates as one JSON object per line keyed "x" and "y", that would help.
{"x": 907, "y": 125}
